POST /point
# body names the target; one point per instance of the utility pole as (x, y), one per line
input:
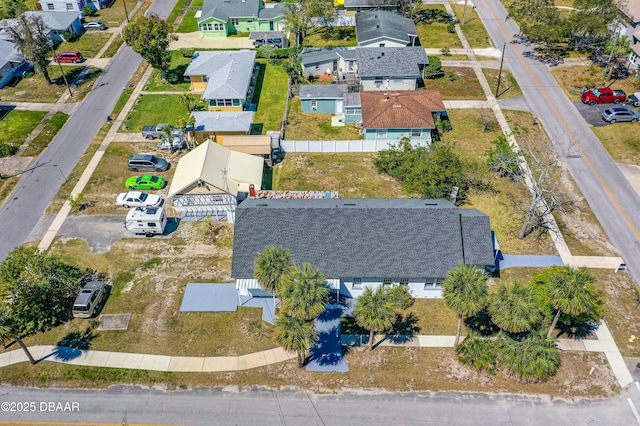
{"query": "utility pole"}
(125, 10)
(613, 50)
(464, 13)
(504, 46)
(64, 77)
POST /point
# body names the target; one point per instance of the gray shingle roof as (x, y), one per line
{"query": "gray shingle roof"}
(376, 24)
(8, 53)
(216, 121)
(272, 12)
(225, 9)
(263, 35)
(369, 3)
(390, 61)
(323, 91)
(352, 99)
(56, 20)
(367, 238)
(319, 56)
(229, 72)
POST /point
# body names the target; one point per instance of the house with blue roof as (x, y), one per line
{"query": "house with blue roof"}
(222, 18)
(331, 99)
(12, 62)
(383, 28)
(226, 79)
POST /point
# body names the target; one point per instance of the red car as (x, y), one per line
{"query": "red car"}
(72, 57)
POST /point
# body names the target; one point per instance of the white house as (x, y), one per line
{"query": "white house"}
(72, 5)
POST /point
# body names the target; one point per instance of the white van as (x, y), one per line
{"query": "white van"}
(146, 221)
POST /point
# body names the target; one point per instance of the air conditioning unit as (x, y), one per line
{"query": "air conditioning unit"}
(359, 124)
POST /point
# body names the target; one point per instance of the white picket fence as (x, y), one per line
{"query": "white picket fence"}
(337, 146)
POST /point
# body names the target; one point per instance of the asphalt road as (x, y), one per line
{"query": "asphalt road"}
(129, 405)
(609, 194)
(26, 205)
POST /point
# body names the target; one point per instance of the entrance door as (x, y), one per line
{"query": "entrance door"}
(339, 106)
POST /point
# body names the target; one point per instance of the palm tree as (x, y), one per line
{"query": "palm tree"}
(31, 36)
(375, 311)
(478, 353)
(304, 293)
(570, 291)
(465, 291)
(514, 308)
(168, 135)
(295, 335)
(533, 360)
(270, 266)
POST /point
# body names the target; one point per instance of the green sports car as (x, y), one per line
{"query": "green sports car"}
(145, 182)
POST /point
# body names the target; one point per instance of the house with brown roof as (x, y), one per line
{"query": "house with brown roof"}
(395, 115)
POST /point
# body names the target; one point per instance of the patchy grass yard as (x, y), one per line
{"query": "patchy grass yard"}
(153, 109)
(35, 88)
(188, 24)
(271, 95)
(307, 126)
(179, 65)
(49, 131)
(89, 44)
(509, 87)
(435, 34)
(82, 89)
(6, 186)
(331, 37)
(352, 174)
(621, 141)
(473, 28)
(458, 83)
(16, 126)
(113, 47)
(114, 15)
(177, 8)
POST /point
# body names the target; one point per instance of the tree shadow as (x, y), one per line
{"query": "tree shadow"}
(404, 328)
(481, 324)
(74, 344)
(576, 331)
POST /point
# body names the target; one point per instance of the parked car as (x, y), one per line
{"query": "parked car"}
(138, 199)
(634, 99)
(152, 132)
(147, 163)
(94, 25)
(70, 57)
(603, 95)
(146, 182)
(613, 115)
(89, 299)
(177, 144)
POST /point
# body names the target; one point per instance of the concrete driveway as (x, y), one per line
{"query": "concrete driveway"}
(592, 114)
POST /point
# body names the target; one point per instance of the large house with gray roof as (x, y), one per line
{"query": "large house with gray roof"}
(12, 62)
(361, 243)
(58, 23)
(354, 6)
(383, 28)
(221, 18)
(390, 68)
(328, 61)
(226, 78)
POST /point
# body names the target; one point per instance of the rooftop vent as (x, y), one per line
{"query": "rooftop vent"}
(349, 204)
(262, 205)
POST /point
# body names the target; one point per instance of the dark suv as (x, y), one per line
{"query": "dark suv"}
(147, 163)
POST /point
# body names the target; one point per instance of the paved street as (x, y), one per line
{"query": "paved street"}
(26, 206)
(122, 404)
(608, 192)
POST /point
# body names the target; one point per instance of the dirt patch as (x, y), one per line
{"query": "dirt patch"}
(14, 165)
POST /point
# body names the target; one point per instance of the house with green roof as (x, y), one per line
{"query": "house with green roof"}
(221, 18)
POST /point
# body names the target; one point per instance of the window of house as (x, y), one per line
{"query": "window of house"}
(212, 103)
(206, 27)
(218, 27)
(151, 225)
(378, 80)
(381, 133)
(314, 104)
(50, 6)
(249, 21)
(236, 102)
(433, 283)
(381, 44)
(416, 133)
(69, 6)
(387, 282)
(234, 21)
(357, 283)
(404, 282)
(205, 78)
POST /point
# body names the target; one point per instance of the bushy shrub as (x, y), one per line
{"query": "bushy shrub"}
(7, 149)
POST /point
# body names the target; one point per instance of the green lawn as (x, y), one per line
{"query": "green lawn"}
(435, 34)
(113, 47)
(271, 95)
(473, 29)
(114, 15)
(176, 11)
(154, 109)
(331, 37)
(509, 87)
(197, 3)
(89, 44)
(178, 66)
(306, 126)
(16, 125)
(188, 24)
(458, 83)
(49, 131)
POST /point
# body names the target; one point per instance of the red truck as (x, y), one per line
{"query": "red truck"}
(603, 95)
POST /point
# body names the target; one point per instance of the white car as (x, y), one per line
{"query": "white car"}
(138, 199)
(178, 144)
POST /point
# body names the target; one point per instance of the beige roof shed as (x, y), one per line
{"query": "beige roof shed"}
(250, 144)
(213, 169)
